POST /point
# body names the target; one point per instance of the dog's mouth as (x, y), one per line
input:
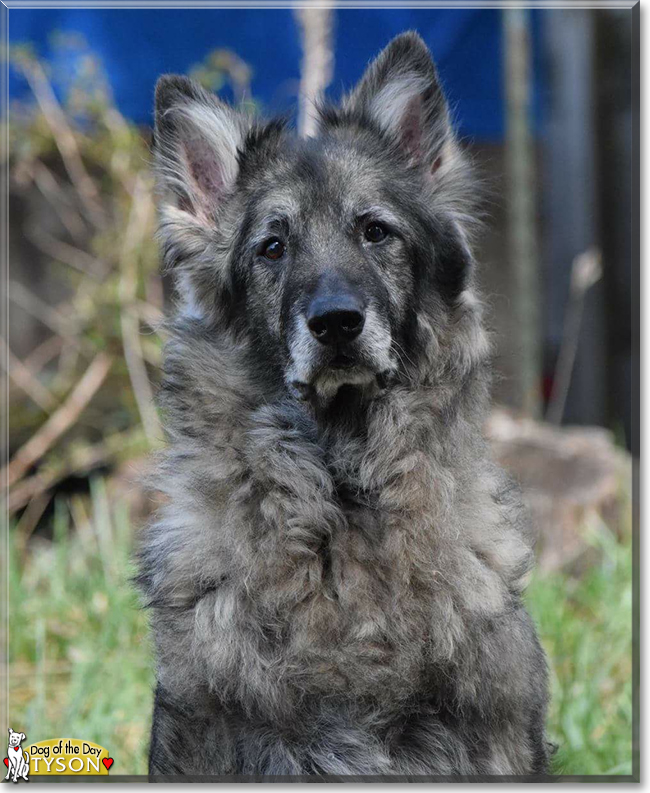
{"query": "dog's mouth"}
(341, 369)
(342, 361)
(343, 364)
(317, 371)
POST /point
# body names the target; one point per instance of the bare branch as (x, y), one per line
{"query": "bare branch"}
(585, 272)
(80, 461)
(60, 421)
(50, 317)
(316, 23)
(141, 211)
(40, 356)
(49, 186)
(65, 253)
(29, 520)
(64, 139)
(27, 381)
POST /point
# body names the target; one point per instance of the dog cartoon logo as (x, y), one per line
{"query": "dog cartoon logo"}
(18, 760)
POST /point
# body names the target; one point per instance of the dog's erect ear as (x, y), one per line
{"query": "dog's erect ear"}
(401, 93)
(196, 145)
(10, 731)
(197, 140)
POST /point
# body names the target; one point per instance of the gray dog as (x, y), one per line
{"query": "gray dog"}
(335, 579)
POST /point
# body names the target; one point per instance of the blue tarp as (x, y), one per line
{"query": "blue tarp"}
(136, 45)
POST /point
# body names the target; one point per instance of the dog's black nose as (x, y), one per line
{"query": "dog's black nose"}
(333, 320)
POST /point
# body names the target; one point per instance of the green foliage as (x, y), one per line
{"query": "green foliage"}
(586, 628)
(221, 68)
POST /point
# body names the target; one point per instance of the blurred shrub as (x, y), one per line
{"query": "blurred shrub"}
(221, 68)
(82, 397)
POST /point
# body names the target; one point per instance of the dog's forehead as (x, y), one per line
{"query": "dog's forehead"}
(321, 178)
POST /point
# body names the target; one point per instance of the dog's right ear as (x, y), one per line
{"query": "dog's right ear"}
(196, 144)
(197, 140)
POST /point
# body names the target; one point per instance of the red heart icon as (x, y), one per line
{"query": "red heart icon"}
(108, 762)
(7, 762)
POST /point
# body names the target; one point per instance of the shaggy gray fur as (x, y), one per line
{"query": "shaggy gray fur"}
(335, 578)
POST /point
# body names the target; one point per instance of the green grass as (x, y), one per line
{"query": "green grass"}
(80, 659)
(586, 629)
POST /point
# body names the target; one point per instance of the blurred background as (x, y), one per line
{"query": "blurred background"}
(543, 102)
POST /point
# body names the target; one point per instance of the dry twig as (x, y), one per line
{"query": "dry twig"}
(27, 381)
(317, 63)
(80, 461)
(585, 272)
(60, 421)
(64, 139)
(40, 356)
(28, 522)
(141, 209)
(62, 252)
(49, 316)
(58, 200)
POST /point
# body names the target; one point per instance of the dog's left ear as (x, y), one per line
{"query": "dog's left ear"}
(22, 736)
(401, 93)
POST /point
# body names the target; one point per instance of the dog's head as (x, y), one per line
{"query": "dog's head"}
(323, 251)
(15, 738)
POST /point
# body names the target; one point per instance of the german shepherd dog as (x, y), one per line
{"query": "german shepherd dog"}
(335, 578)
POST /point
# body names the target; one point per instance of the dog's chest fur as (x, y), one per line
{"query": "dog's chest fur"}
(340, 580)
(297, 557)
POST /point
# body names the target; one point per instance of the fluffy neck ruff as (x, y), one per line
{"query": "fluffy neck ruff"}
(310, 553)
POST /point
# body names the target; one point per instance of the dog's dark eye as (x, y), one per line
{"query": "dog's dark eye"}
(375, 232)
(273, 249)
